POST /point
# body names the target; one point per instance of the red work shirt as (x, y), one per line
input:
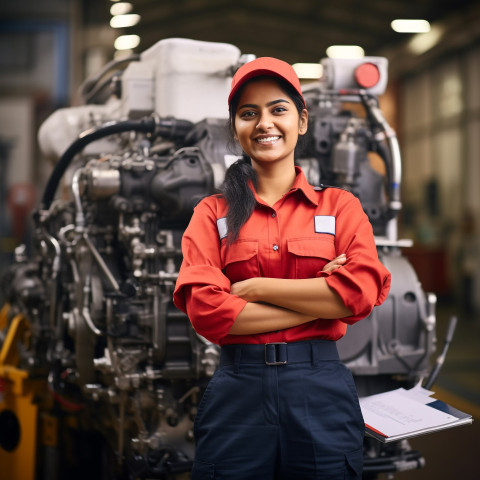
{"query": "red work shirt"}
(307, 228)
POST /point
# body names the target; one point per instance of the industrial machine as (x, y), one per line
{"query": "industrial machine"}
(100, 375)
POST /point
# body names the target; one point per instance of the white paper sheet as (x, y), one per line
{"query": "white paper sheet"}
(395, 412)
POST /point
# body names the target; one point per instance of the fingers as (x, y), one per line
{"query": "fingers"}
(335, 263)
(243, 289)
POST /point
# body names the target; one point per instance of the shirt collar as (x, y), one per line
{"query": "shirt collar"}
(300, 184)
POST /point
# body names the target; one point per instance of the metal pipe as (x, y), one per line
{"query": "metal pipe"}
(395, 167)
(88, 319)
(55, 270)
(79, 217)
(101, 263)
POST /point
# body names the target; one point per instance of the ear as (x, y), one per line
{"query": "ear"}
(303, 122)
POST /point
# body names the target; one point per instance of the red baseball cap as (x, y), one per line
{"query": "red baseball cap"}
(265, 66)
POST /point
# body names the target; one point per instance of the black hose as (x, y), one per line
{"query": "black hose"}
(144, 125)
(172, 128)
(95, 95)
(166, 127)
(88, 85)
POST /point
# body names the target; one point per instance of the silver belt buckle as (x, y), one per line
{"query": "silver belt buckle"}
(274, 347)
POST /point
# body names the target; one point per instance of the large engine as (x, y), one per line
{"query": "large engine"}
(92, 347)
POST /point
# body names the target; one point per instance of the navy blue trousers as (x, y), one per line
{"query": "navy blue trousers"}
(293, 419)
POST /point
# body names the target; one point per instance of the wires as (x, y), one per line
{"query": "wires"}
(91, 86)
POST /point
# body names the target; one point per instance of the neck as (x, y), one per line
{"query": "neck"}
(274, 181)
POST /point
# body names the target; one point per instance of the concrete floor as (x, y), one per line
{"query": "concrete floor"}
(454, 454)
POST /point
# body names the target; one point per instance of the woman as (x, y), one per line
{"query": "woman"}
(273, 271)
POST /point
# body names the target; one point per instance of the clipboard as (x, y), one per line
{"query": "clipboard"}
(400, 414)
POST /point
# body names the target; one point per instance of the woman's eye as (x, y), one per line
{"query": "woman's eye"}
(247, 114)
(279, 109)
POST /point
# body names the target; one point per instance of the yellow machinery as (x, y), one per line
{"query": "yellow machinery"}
(22, 426)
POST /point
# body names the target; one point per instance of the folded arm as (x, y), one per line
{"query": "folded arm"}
(262, 318)
(277, 303)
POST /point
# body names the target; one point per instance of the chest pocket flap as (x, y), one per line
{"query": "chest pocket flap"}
(240, 260)
(310, 255)
(322, 246)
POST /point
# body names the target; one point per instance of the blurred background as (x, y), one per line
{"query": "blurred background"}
(48, 48)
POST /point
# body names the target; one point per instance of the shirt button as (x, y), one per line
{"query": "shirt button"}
(275, 247)
(274, 215)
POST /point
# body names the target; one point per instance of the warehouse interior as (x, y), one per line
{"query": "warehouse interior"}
(432, 101)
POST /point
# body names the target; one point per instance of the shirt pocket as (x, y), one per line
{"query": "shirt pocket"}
(240, 260)
(310, 255)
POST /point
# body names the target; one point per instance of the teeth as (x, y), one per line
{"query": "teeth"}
(268, 139)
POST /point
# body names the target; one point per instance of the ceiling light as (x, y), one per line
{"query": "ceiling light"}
(421, 42)
(121, 8)
(345, 51)
(120, 54)
(127, 42)
(308, 70)
(410, 26)
(123, 21)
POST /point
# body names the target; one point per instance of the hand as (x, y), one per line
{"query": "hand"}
(335, 263)
(246, 289)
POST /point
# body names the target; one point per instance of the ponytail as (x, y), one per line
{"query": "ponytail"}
(240, 198)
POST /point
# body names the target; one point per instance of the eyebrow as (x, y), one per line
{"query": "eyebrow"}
(269, 104)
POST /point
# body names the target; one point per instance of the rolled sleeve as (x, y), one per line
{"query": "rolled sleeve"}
(361, 288)
(202, 291)
(363, 282)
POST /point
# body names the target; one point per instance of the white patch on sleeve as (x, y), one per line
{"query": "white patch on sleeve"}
(325, 224)
(222, 227)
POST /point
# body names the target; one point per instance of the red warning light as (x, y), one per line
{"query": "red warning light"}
(367, 75)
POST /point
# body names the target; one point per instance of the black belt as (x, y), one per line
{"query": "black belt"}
(279, 353)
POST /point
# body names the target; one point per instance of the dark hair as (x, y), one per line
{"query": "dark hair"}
(235, 189)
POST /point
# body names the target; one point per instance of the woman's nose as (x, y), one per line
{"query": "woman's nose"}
(264, 122)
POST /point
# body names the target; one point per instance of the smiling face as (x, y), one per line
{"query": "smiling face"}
(267, 122)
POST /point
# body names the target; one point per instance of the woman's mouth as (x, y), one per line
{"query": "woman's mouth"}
(265, 140)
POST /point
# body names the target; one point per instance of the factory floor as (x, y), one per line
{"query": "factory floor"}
(454, 454)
